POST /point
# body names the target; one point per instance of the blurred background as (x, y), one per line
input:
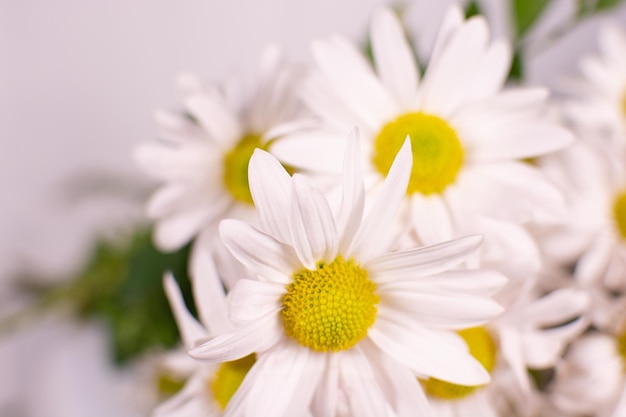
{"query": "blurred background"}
(79, 82)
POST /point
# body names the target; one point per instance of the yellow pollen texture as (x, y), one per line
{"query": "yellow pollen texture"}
(437, 151)
(228, 378)
(330, 308)
(482, 347)
(235, 175)
(619, 214)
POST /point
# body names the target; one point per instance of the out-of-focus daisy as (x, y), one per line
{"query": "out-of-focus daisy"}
(334, 315)
(468, 136)
(531, 334)
(599, 95)
(203, 157)
(592, 233)
(590, 379)
(208, 387)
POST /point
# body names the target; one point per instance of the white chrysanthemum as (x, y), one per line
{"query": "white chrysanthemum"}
(590, 379)
(592, 234)
(208, 386)
(334, 314)
(531, 334)
(468, 136)
(599, 96)
(204, 153)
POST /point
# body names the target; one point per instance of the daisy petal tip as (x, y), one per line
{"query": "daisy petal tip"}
(169, 283)
(187, 81)
(473, 240)
(406, 150)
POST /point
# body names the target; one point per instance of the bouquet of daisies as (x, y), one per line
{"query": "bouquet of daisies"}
(383, 234)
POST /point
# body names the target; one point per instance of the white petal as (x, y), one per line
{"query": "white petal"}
(312, 225)
(522, 142)
(353, 192)
(317, 150)
(166, 200)
(213, 113)
(478, 282)
(399, 384)
(325, 401)
(271, 259)
(250, 300)
(439, 310)
(189, 328)
(319, 96)
(256, 336)
(425, 352)
(208, 291)
(374, 234)
(393, 57)
(556, 308)
(594, 262)
(444, 87)
(360, 385)
(421, 262)
(492, 70)
(452, 20)
(511, 347)
(431, 218)
(173, 232)
(354, 81)
(270, 187)
(191, 401)
(281, 373)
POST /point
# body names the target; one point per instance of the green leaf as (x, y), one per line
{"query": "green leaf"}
(472, 9)
(604, 5)
(516, 73)
(121, 284)
(526, 13)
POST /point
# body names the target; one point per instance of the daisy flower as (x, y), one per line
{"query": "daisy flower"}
(468, 136)
(335, 318)
(203, 157)
(532, 333)
(592, 233)
(208, 387)
(590, 380)
(599, 94)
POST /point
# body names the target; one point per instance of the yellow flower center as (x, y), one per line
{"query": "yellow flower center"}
(229, 377)
(619, 214)
(437, 151)
(330, 308)
(235, 173)
(482, 347)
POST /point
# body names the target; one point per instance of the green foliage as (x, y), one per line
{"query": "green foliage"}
(526, 13)
(122, 285)
(472, 9)
(590, 7)
(516, 72)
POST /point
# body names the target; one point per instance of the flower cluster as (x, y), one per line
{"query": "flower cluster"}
(375, 239)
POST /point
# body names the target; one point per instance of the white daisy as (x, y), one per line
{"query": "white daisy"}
(208, 387)
(468, 136)
(590, 379)
(531, 334)
(592, 233)
(203, 157)
(599, 95)
(334, 314)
